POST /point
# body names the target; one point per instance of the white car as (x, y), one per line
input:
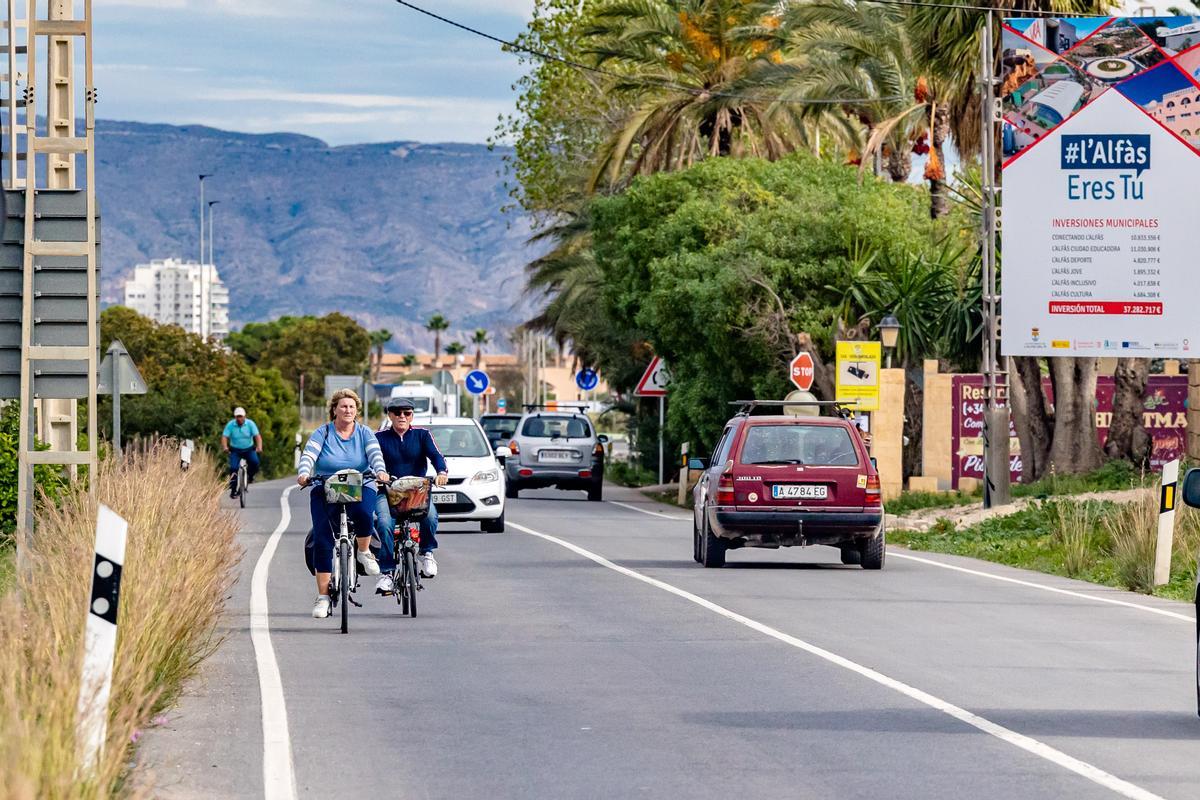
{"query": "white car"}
(475, 490)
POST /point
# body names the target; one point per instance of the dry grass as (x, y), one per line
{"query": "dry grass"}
(178, 565)
(1133, 531)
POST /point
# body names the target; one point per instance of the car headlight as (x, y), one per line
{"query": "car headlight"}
(486, 476)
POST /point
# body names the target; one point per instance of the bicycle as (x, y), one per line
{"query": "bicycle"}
(243, 481)
(342, 488)
(408, 499)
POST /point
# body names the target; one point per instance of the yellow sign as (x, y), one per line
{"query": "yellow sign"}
(858, 374)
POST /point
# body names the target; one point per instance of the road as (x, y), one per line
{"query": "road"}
(583, 654)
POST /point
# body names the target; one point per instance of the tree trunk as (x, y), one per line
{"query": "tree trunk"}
(1129, 388)
(1031, 416)
(823, 375)
(1074, 449)
(899, 163)
(939, 199)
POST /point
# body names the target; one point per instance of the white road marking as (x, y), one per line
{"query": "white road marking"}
(1020, 740)
(1082, 595)
(279, 776)
(644, 511)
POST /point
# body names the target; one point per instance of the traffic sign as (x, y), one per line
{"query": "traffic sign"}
(587, 379)
(477, 381)
(128, 377)
(655, 380)
(858, 374)
(502, 404)
(803, 371)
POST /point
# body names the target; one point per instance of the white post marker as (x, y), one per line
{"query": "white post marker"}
(185, 454)
(1166, 522)
(100, 634)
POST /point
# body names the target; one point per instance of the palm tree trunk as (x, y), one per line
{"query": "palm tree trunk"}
(935, 171)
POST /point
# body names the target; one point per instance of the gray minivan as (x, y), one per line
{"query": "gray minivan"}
(556, 448)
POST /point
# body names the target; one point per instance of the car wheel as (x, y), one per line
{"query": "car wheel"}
(493, 525)
(712, 549)
(596, 492)
(872, 549)
(510, 490)
(850, 554)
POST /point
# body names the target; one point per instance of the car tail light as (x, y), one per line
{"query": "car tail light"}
(585, 473)
(512, 447)
(725, 487)
(874, 495)
(525, 473)
(598, 450)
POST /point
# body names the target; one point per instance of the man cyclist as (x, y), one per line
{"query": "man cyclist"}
(407, 452)
(241, 439)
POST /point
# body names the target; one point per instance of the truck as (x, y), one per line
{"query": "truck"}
(427, 399)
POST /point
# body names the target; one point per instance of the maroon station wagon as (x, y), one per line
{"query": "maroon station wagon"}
(782, 481)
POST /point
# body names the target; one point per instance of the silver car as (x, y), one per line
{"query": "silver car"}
(556, 448)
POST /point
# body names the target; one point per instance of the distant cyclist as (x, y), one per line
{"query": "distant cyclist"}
(241, 439)
(407, 451)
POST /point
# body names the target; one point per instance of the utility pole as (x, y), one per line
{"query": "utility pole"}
(996, 473)
(207, 278)
(203, 297)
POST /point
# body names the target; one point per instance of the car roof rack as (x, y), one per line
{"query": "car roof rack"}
(746, 407)
(578, 407)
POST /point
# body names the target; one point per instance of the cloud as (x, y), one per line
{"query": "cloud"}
(340, 99)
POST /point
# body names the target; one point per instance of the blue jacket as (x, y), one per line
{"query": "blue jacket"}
(410, 454)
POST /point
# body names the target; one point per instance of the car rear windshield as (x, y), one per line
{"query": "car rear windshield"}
(555, 428)
(460, 440)
(812, 445)
(501, 427)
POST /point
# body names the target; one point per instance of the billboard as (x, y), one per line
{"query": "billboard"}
(1101, 130)
(1164, 417)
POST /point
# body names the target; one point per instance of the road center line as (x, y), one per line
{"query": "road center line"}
(1020, 740)
(644, 511)
(279, 777)
(1083, 595)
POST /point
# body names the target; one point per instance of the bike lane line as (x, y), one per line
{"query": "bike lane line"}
(1019, 740)
(279, 774)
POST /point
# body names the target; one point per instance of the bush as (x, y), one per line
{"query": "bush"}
(169, 608)
(48, 479)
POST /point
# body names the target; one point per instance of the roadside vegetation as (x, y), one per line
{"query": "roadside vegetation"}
(1102, 542)
(178, 566)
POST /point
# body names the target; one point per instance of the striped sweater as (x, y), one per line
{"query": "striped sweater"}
(327, 452)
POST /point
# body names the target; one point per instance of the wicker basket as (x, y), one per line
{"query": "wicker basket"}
(409, 497)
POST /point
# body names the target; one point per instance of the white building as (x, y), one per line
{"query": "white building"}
(183, 293)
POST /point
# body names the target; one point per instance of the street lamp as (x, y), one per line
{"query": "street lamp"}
(889, 332)
(206, 274)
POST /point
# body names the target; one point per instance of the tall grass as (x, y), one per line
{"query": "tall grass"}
(1133, 532)
(1074, 532)
(179, 562)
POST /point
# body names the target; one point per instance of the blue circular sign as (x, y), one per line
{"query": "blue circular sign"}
(477, 381)
(587, 379)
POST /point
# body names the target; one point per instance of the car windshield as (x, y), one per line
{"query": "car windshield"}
(460, 440)
(500, 427)
(811, 445)
(421, 405)
(542, 427)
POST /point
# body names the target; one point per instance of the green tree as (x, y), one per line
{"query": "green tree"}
(193, 387)
(49, 479)
(378, 339)
(311, 346)
(455, 349)
(479, 339)
(437, 323)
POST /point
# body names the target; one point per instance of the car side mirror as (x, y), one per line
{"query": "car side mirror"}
(697, 463)
(1191, 487)
(602, 438)
(503, 452)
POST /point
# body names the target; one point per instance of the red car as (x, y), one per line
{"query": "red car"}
(783, 481)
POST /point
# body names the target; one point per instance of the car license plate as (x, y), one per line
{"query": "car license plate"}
(557, 456)
(799, 491)
(445, 498)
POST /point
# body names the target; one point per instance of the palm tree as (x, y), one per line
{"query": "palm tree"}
(699, 78)
(437, 323)
(455, 349)
(479, 340)
(378, 339)
(410, 360)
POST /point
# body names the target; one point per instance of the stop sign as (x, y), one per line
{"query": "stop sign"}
(802, 372)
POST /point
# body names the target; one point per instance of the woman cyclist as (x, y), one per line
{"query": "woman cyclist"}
(341, 443)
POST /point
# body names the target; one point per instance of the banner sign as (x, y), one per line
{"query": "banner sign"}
(857, 378)
(1164, 416)
(1101, 125)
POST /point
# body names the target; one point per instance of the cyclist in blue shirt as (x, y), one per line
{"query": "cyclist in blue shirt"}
(407, 451)
(241, 439)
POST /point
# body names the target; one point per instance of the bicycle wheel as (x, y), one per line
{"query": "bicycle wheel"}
(346, 564)
(410, 582)
(242, 484)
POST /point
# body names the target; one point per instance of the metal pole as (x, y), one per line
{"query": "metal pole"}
(116, 400)
(661, 405)
(206, 275)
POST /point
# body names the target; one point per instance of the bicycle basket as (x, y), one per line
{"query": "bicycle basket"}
(409, 497)
(344, 487)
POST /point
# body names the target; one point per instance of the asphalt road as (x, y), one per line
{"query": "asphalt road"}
(622, 669)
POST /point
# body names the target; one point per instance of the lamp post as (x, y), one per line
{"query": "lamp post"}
(203, 175)
(206, 276)
(889, 332)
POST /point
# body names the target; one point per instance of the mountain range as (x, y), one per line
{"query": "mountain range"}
(387, 233)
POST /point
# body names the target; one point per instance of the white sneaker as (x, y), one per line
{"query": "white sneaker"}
(385, 585)
(369, 564)
(427, 565)
(321, 607)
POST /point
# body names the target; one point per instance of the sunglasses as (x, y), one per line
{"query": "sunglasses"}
(405, 413)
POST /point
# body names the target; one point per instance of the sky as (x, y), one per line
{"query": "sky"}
(345, 71)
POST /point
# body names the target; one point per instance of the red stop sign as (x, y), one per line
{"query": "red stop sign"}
(802, 372)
